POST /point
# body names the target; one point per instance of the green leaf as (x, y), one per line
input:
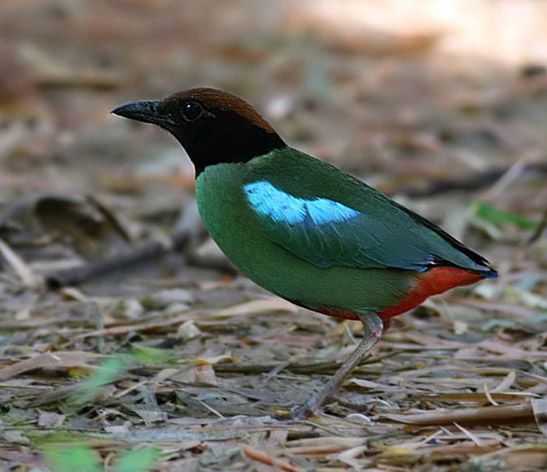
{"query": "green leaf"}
(76, 458)
(496, 216)
(152, 356)
(108, 372)
(497, 323)
(139, 459)
(59, 439)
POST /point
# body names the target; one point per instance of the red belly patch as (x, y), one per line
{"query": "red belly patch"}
(432, 282)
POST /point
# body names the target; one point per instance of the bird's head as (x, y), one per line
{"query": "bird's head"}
(213, 126)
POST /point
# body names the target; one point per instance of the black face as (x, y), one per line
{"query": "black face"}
(225, 131)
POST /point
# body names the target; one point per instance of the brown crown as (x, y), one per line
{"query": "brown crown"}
(226, 101)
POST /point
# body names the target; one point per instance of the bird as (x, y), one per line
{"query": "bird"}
(303, 229)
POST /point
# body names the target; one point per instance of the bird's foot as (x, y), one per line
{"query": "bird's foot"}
(373, 330)
(301, 411)
(307, 409)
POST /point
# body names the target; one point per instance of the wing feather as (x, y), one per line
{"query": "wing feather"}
(329, 218)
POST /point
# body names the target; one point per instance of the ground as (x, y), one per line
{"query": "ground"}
(127, 342)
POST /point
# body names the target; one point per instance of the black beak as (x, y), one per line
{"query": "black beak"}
(147, 112)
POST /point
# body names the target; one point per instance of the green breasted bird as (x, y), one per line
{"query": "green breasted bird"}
(303, 229)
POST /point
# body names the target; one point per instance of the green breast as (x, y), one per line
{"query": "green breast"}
(233, 226)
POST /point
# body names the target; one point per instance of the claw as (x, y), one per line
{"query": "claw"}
(300, 412)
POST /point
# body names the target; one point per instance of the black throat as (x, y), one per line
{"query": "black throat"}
(226, 139)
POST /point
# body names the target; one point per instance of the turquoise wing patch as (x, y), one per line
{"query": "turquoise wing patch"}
(322, 231)
(283, 208)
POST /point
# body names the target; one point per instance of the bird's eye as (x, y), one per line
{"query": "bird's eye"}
(191, 111)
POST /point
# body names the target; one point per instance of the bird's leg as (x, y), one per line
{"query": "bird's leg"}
(373, 328)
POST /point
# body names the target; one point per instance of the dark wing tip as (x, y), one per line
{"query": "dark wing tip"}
(480, 265)
(490, 273)
(483, 267)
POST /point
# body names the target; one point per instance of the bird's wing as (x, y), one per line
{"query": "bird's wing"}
(329, 218)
